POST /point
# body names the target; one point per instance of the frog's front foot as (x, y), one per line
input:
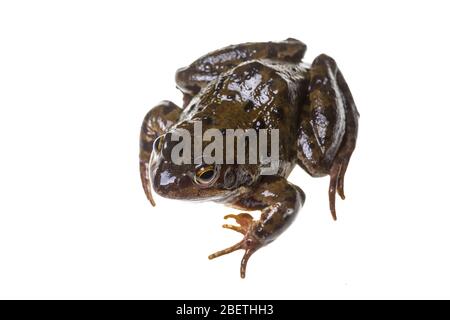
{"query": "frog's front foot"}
(250, 243)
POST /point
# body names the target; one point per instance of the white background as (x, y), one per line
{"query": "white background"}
(76, 79)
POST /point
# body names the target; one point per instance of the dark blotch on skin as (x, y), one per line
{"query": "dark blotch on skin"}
(184, 182)
(278, 113)
(207, 120)
(192, 107)
(271, 51)
(249, 105)
(229, 179)
(147, 145)
(219, 85)
(251, 202)
(259, 124)
(166, 110)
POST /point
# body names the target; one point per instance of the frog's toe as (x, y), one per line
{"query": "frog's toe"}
(228, 250)
(244, 220)
(248, 244)
(340, 182)
(337, 174)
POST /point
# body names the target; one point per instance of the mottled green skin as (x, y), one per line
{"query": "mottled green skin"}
(260, 86)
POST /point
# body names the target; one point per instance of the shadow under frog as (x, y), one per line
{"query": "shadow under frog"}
(262, 86)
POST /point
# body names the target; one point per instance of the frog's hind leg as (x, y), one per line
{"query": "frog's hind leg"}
(155, 123)
(340, 163)
(191, 79)
(328, 126)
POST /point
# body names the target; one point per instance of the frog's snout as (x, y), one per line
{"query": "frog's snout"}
(171, 184)
(168, 179)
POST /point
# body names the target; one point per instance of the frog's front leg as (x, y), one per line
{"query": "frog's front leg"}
(329, 126)
(157, 121)
(279, 202)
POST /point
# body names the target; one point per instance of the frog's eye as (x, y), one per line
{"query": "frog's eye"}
(205, 175)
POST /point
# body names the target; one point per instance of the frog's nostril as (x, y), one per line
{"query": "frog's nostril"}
(184, 181)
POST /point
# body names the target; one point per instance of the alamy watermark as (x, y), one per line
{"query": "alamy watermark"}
(251, 147)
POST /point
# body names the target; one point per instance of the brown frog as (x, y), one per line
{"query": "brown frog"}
(259, 86)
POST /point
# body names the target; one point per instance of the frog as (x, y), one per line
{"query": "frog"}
(263, 86)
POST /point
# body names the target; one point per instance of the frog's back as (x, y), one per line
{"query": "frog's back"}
(258, 94)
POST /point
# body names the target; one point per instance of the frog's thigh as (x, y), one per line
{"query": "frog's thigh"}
(323, 118)
(155, 123)
(209, 67)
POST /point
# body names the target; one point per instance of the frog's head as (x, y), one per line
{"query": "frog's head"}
(194, 181)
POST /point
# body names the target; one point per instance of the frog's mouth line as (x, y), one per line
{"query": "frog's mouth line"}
(220, 197)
